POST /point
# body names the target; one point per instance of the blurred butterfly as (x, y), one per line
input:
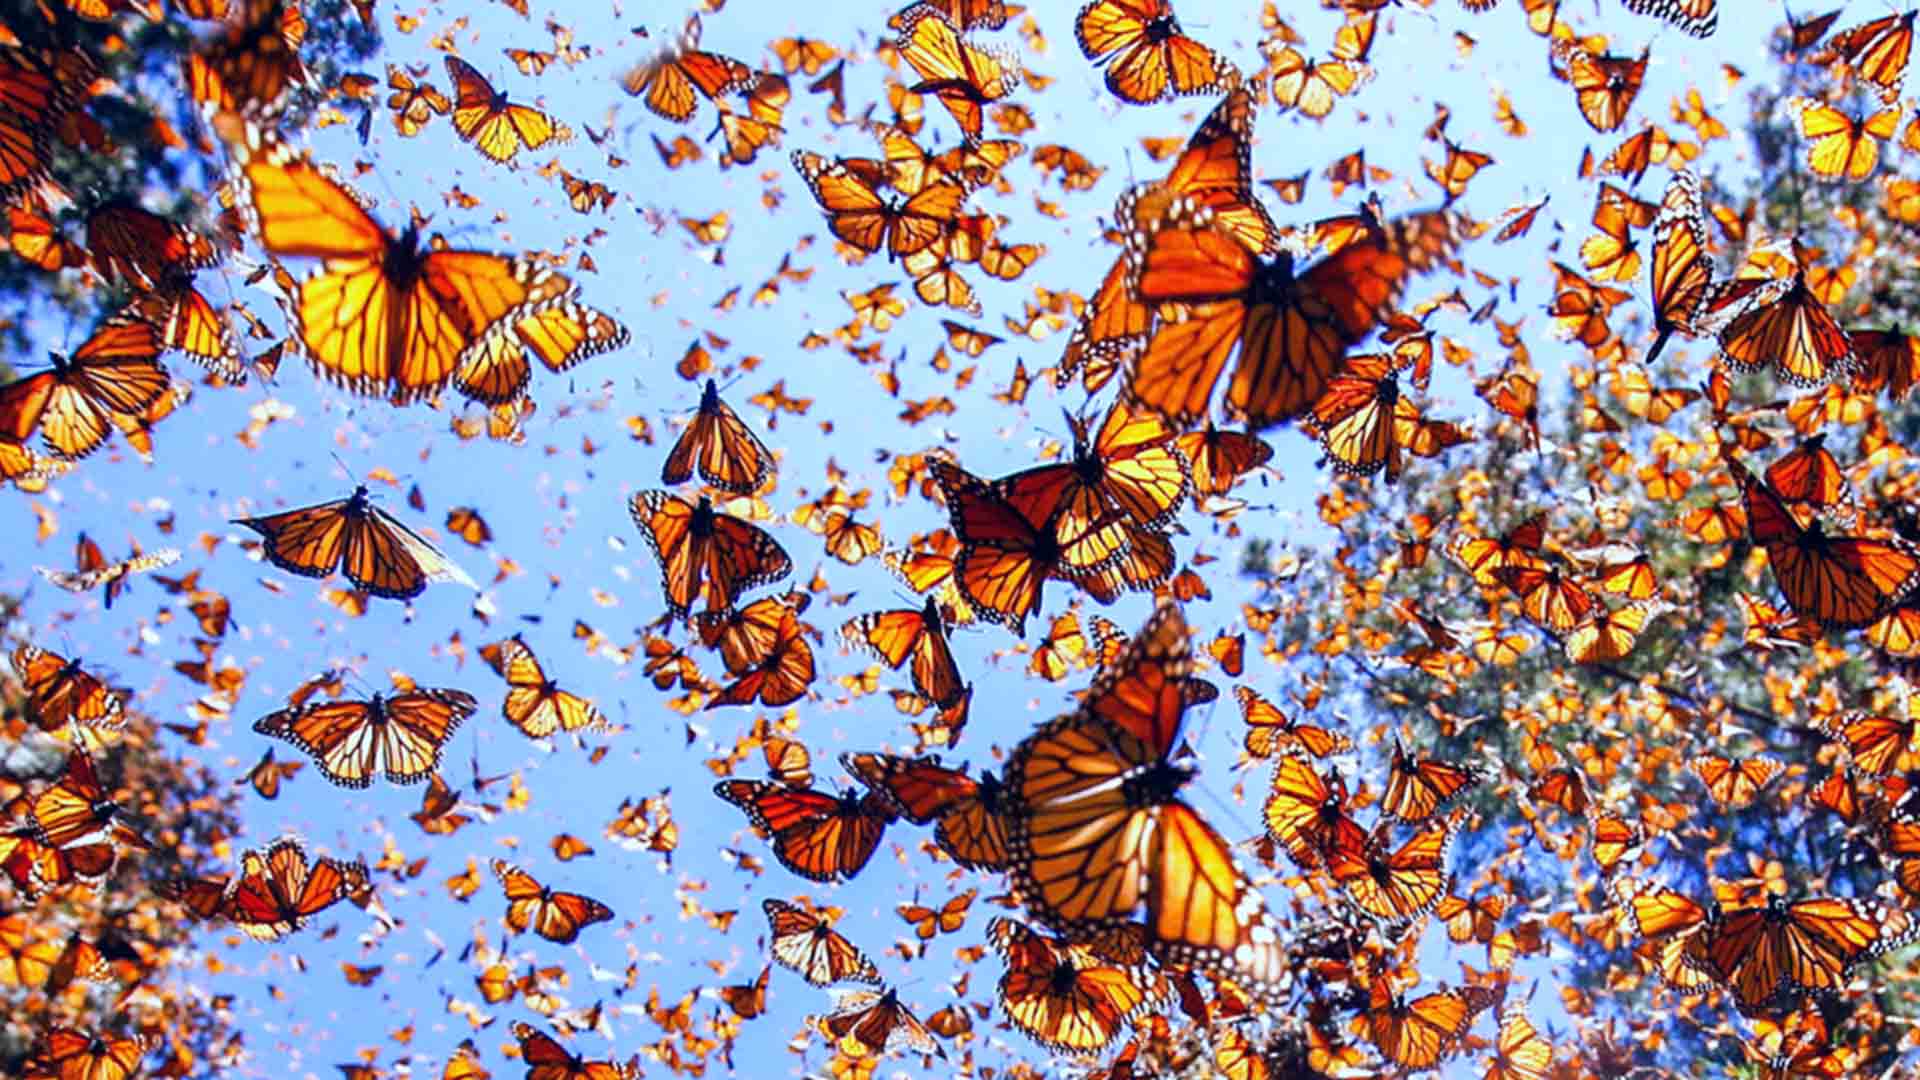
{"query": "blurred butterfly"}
(496, 127)
(747, 1000)
(351, 741)
(267, 774)
(533, 703)
(371, 547)
(804, 942)
(115, 372)
(703, 552)
(668, 80)
(414, 103)
(1876, 51)
(971, 813)
(1842, 146)
(250, 68)
(146, 251)
(1734, 783)
(562, 334)
(1291, 329)
(819, 836)
(92, 570)
(1878, 744)
(555, 915)
(67, 1052)
(1146, 57)
(37, 103)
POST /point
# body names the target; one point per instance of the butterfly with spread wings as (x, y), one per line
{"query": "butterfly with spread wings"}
(721, 447)
(1838, 581)
(668, 81)
(971, 812)
(964, 77)
(351, 741)
(859, 214)
(1145, 55)
(553, 914)
(116, 372)
(821, 837)
(280, 887)
(1071, 997)
(92, 570)
(806, 943)
(495, 126)
(383, 316)
(896, 636)
(60, 691)
(546, 1059)
(534, 704)
(370, 546)
(1290, 327)
(703, 552)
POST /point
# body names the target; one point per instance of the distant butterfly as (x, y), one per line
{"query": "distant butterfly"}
(562, 334)
(1734, 783)
(555, 915)
(496, 127)
(365, 543)
(350, 741)
(1604, 86)
(1269, 730)
(1417, 787)
(143, 249)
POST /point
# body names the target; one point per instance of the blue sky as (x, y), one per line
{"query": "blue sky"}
(558, 511)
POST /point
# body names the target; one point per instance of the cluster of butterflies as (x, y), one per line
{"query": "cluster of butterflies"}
(1129, 894)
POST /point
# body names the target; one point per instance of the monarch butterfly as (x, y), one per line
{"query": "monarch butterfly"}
(1885, 358)
(279, 888)
(60, 692)
(1129, 472)
(547, 1060)
(1147, 58)
(747, 636)
(1217, 460)
(1838, 581)
(1695, 18)
(1067, 996)
(1417, 1034)
(669, 79)
(116, 371)
(1270, 730)
(703, 552)
(1878, 51)
(1363, 421)
(1733, 784)
(77, 807)
(1611, 253)
(533, 703)
(36, 103)
(1809, 473)
(972, 813)
(1809, 945)
(724, 449)
(186, 320)
(948, 918)
(267, 775)
(893, 636)
(1417, 787)
(1603, 86)
(1396, 886)
(782, 676)
(368, 545)
(414, 104)
(143, 249)
(1005, 557)
(1606, 635)
(253, 65)
(1877, 744)
(562, 334)
(38, 241)
(92, 570)
(555, 915)
(804, 942)
(748, 1000)
(1548, 596)
(858, 214)
(819, 836)
(351, 741)
(1787, 326)
(1488, 557)
(1101, 828)
(1308, 816)
(36, 869)
(963, 14)
(65, 1052)
(870, 1022)
(383, 316)
(1313, 86)
(963, 76)
(1214, 170)
(79, 959)
(1680, 272)
(1291, 330)
(1520, 1052)
(1839, 146)
(496, 127)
